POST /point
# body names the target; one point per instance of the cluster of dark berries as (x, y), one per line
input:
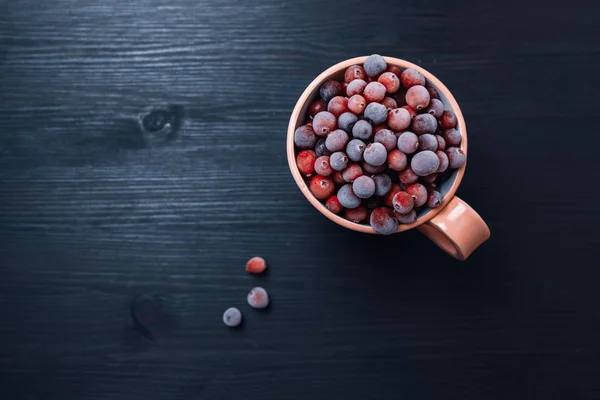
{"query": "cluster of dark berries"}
(376, 145)
(257, 297)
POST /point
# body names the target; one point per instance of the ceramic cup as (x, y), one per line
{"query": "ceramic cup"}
(454, 225)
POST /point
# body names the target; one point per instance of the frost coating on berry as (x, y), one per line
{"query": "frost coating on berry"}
(304, 137)
(256, 265)
(338, 160)
(336, 140)
(362, 130)
(456, 157)
(330, 89)
(383, 184)
(363, 187)
(408, 142)
(232, 317)
(347, 198)
(386, 138)
(376, 113)
(383, 221)
(346, 121)
(355, 149)
(428, 142)
(375, 154)
(425, 163)
(374, 65)
(424, 123)
(258, 298)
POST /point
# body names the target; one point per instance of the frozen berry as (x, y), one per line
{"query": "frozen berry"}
(444, 162)
(398, 119)
(338, 160)
(428, 142)
(372, 169)
(408, 142)
(383, 222)
(411, 77)
(354, 72)
(417, 97)
(448, 120)
(317, 106)
(337, 178)
(258, 298)
(424, 123)
(306, 162)
(397, 160)
(338, 105)
(407, 218)
(403, 202)
(433, 93)
(390, 81)
(346, 121)
(330, 89)
(256, 265)
(374, 65)
(425, 163)
(321, 187)
(411, 111)
(304, 137)
(375, 154)
(357, 104)
(386, 138)
(435, 108)
(374, 92)
(333, 205)
(337, 140)
(418, 192)
(363, 187)
(347, 198)
(393, 69)
(356, 87)
(389, 197)
(324, 122)
(355, 149)
(389, 103)
(429, 178)
(351, 172)
(434, 199)
(357, 214)
(322, 166)
(232, 317)
(452, 137)
(408, 176)
(376, 113)
(383, 184)
(456, 157)
(441, 142)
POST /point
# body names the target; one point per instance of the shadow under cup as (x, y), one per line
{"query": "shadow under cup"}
(447, 188)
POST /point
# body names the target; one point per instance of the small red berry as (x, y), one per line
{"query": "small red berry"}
(357, 214)
(398, 119)
(316, 107)
(322, 166)
(389, 197)
(357, 104)
(403, 202)
(417, 97)
(333, 205)
(411, 77)
(374, 92)
(448, 120)
(418, 192)
(323, 123)
(256, 265)
(397, 160)
(407, 176)
(390, 81)
(354, 72)
(337, 178)
(393, 69)
(411, 111)
(351, 172)
(321, 187)
(306, 162)
(389, 103)
(338, 105)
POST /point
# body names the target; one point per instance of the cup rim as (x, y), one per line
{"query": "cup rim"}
(294, 123)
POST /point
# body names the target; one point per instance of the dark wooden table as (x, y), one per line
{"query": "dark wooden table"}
(101, 204)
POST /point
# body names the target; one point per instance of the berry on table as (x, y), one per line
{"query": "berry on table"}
(338, 160)
(399, 119)
(389, 103)
(441, 142)
(375, 154)
(408, 142)
(362, 130)
(232, 317)
(355, 149)
(363, 187)
(411, 111)
(374, 65)
(258, 298)
(417, 97)
(256, 265)
(403, 202)
(394, 70)
(324, 122)
(304, 137)
(411, 77)
(397, 160)
(383, 222)
(425, 162)
(333, 205)
(321, 187)
(376, 113)
(347, 198)
(353, 73)
(306, 162)
(433, 93)
(337, 140)
(330, 89)
(456, 157)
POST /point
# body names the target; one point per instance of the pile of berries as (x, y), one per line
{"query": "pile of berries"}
(376, 145)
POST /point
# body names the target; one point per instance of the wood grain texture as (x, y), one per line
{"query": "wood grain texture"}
(95, 210)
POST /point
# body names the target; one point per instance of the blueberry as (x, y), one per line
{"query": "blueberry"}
(375, 154)
(383, 221)
(362, 130)
(347, 198)
(304, 137)
(321, 149)
(424, 123)
(346, 121)
(428, 142)
(355, 149)
(374, 65)
(425, 163)
(376, 113)
(434, 199)
(336, 140)
(339, 160)
(330, 89)
(383, 184)
(408, 142)
(456, 157)
(232, 317)
(363, 187)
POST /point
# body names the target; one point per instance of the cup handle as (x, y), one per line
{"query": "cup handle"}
(457, 229)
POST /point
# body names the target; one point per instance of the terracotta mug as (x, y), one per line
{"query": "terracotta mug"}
(454, 225)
